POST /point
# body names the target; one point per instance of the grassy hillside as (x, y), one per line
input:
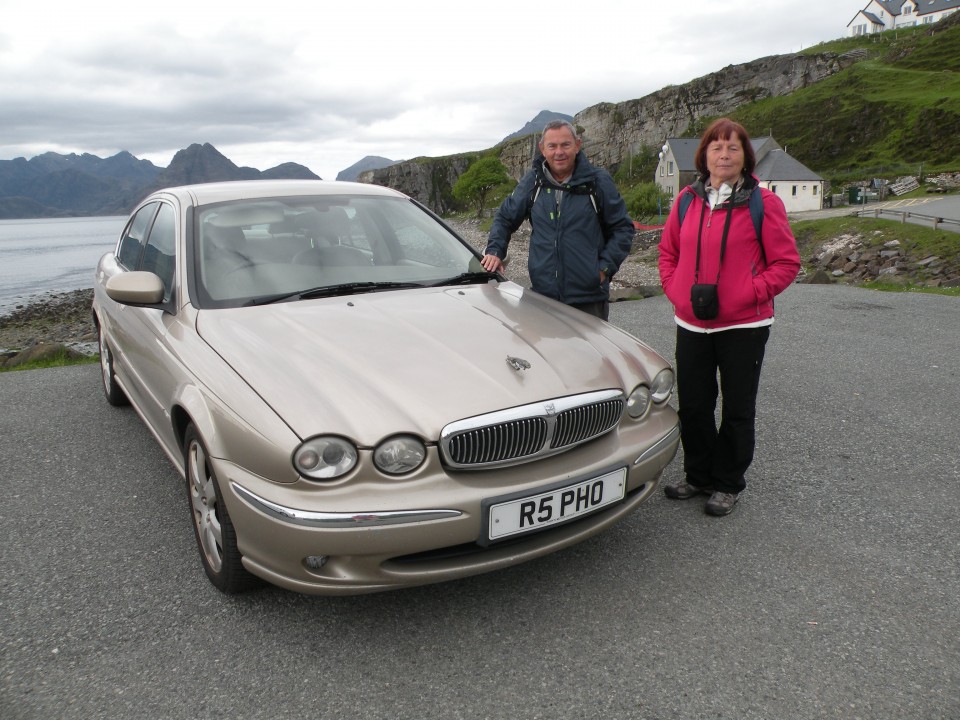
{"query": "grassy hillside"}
(884, 116)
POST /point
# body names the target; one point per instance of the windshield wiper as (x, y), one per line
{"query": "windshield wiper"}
(469, 278)
(331, 291)
(355, 287)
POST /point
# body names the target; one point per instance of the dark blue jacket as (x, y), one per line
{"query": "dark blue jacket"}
(572, 243)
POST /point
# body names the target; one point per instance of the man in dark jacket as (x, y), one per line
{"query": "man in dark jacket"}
(580, 228)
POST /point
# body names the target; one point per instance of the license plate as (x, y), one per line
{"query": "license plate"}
(535, 512)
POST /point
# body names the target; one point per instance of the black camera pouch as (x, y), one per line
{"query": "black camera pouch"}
(706, 303)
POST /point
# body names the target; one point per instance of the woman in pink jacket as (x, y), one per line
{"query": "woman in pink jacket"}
(722, 279)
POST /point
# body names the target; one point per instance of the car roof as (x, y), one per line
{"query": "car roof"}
(206, 193)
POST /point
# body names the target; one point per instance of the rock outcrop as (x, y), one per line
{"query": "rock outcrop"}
(612, 132)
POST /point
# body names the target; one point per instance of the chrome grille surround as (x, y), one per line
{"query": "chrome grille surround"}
(530, 432)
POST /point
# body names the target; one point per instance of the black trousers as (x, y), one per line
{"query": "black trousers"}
(719, 457)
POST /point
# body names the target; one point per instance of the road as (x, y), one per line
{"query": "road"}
(916, 210)
(833, 591)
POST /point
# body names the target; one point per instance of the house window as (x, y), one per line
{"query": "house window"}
(773, 189)
(670, 169)
(794, 191)
(663, 169)
(907, 10)
(814, 190)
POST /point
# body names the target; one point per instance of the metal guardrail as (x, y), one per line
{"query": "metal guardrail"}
(909, 216)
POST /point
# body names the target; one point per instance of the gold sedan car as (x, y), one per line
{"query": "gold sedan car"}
(355, 404)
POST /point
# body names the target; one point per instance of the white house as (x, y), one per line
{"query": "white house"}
(797, 185)
(880, 15)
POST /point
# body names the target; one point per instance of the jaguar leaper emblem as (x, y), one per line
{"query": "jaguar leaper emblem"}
(517, 364)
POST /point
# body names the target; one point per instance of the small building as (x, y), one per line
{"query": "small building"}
(797, 185)
(880, 15)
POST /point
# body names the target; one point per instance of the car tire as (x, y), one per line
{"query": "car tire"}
(115, 396)
(212, 527)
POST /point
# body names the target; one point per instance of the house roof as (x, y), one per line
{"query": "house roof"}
(925, 7)
(891, 6)
(773, 163)
(778, 165)
(685, 150)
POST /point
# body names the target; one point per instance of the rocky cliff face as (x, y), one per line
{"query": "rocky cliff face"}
(429, 180)
(614, 131)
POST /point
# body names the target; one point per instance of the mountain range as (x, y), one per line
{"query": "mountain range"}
(55, 185)
(855, 107)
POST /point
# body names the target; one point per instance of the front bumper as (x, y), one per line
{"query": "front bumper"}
(368, 544)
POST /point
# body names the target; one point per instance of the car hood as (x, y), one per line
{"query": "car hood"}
(372, 365)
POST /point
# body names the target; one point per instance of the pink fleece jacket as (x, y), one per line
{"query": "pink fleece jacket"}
(750, 276)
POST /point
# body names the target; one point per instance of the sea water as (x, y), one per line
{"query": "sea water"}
(51, 255)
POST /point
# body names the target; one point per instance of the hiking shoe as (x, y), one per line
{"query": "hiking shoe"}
(721, 503)
(683, 490)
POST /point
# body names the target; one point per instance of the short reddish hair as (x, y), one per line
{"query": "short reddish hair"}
(724, 129)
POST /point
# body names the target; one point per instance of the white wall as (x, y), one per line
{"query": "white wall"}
(798, 195)
(668, 175)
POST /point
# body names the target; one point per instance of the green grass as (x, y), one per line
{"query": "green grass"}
(915, 241)
(60, 359)
(910, 287)
(881, 117)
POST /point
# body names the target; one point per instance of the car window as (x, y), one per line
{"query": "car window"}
(420, 246)
(131, 242)
(160, 251)
(253, 249)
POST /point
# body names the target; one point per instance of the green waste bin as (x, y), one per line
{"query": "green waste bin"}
(855, 198)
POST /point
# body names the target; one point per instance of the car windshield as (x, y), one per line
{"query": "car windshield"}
(269, 250)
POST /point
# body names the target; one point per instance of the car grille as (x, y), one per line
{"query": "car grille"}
(531, 431)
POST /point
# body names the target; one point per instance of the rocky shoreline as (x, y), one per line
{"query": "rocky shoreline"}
(49, 323)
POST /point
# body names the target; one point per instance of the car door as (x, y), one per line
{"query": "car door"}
(142, 342)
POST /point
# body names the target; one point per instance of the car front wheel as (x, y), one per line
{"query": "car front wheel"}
(115, 396)
(212, 527)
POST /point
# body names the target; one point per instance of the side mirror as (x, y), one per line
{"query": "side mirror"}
(136, 287)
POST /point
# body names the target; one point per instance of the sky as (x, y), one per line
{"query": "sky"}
(324, 84)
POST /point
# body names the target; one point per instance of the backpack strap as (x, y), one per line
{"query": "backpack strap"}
(587, 188)
(756, 209)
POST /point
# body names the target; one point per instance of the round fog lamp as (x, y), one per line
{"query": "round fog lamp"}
(315, 562)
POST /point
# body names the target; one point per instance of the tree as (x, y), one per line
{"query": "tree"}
(479, 180)
(645, 200)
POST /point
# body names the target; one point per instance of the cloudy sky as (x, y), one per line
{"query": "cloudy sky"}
(326, 83)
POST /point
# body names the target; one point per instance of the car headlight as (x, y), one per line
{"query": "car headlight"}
(325, 457)
(662, 387)
(639, 402)
(400, 454)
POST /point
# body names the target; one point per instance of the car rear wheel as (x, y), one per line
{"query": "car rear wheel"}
(115, 396)
(212, 527)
